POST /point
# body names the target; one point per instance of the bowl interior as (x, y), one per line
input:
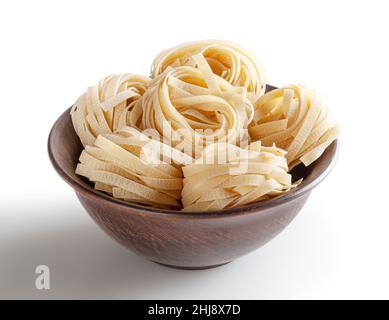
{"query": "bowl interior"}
(65, 147)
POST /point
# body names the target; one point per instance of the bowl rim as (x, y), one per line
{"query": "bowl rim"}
(250, 208)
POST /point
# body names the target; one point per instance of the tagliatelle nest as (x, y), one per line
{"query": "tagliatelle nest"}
(240, 177)
(200, 135)
(295, 119)
(124, 165)
(228, 60)
(194, 107)
(106, 106)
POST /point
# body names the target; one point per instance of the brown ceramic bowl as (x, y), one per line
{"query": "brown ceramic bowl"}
(184, 240)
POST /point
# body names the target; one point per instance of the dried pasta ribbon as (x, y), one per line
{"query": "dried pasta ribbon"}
(243, 176)
(126, 165)
(295, 119)
(228, 60)
(107, 106)
(194, 113)
(192, 107)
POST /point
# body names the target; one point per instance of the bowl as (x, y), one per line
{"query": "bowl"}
(196, 240)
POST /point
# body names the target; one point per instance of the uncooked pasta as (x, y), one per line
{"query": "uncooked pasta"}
(242, 176)
(228, 60)
(195, 107)
(124, 165)
(200, 134)
(107, 106)
(295, 119)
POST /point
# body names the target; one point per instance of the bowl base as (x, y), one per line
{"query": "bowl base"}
(192, 268)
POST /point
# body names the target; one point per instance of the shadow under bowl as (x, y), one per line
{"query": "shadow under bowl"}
(184, 240)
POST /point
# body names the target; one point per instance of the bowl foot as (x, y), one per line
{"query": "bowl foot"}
(192, 268)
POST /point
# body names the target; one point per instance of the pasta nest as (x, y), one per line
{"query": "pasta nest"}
(234, 177)
(128, 165)
(295, 119)
(106, 106)
(228, 60)
(192, 107)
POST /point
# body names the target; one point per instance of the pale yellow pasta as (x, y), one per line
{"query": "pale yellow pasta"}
(192, 107)
(295, 119)
(228, 60)
(200, 134)
(107, 106)
(120, 164)
(241, 177)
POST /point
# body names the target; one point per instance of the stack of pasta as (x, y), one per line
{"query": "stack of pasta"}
(200, 134)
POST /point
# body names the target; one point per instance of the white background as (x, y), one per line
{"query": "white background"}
(50, 51)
